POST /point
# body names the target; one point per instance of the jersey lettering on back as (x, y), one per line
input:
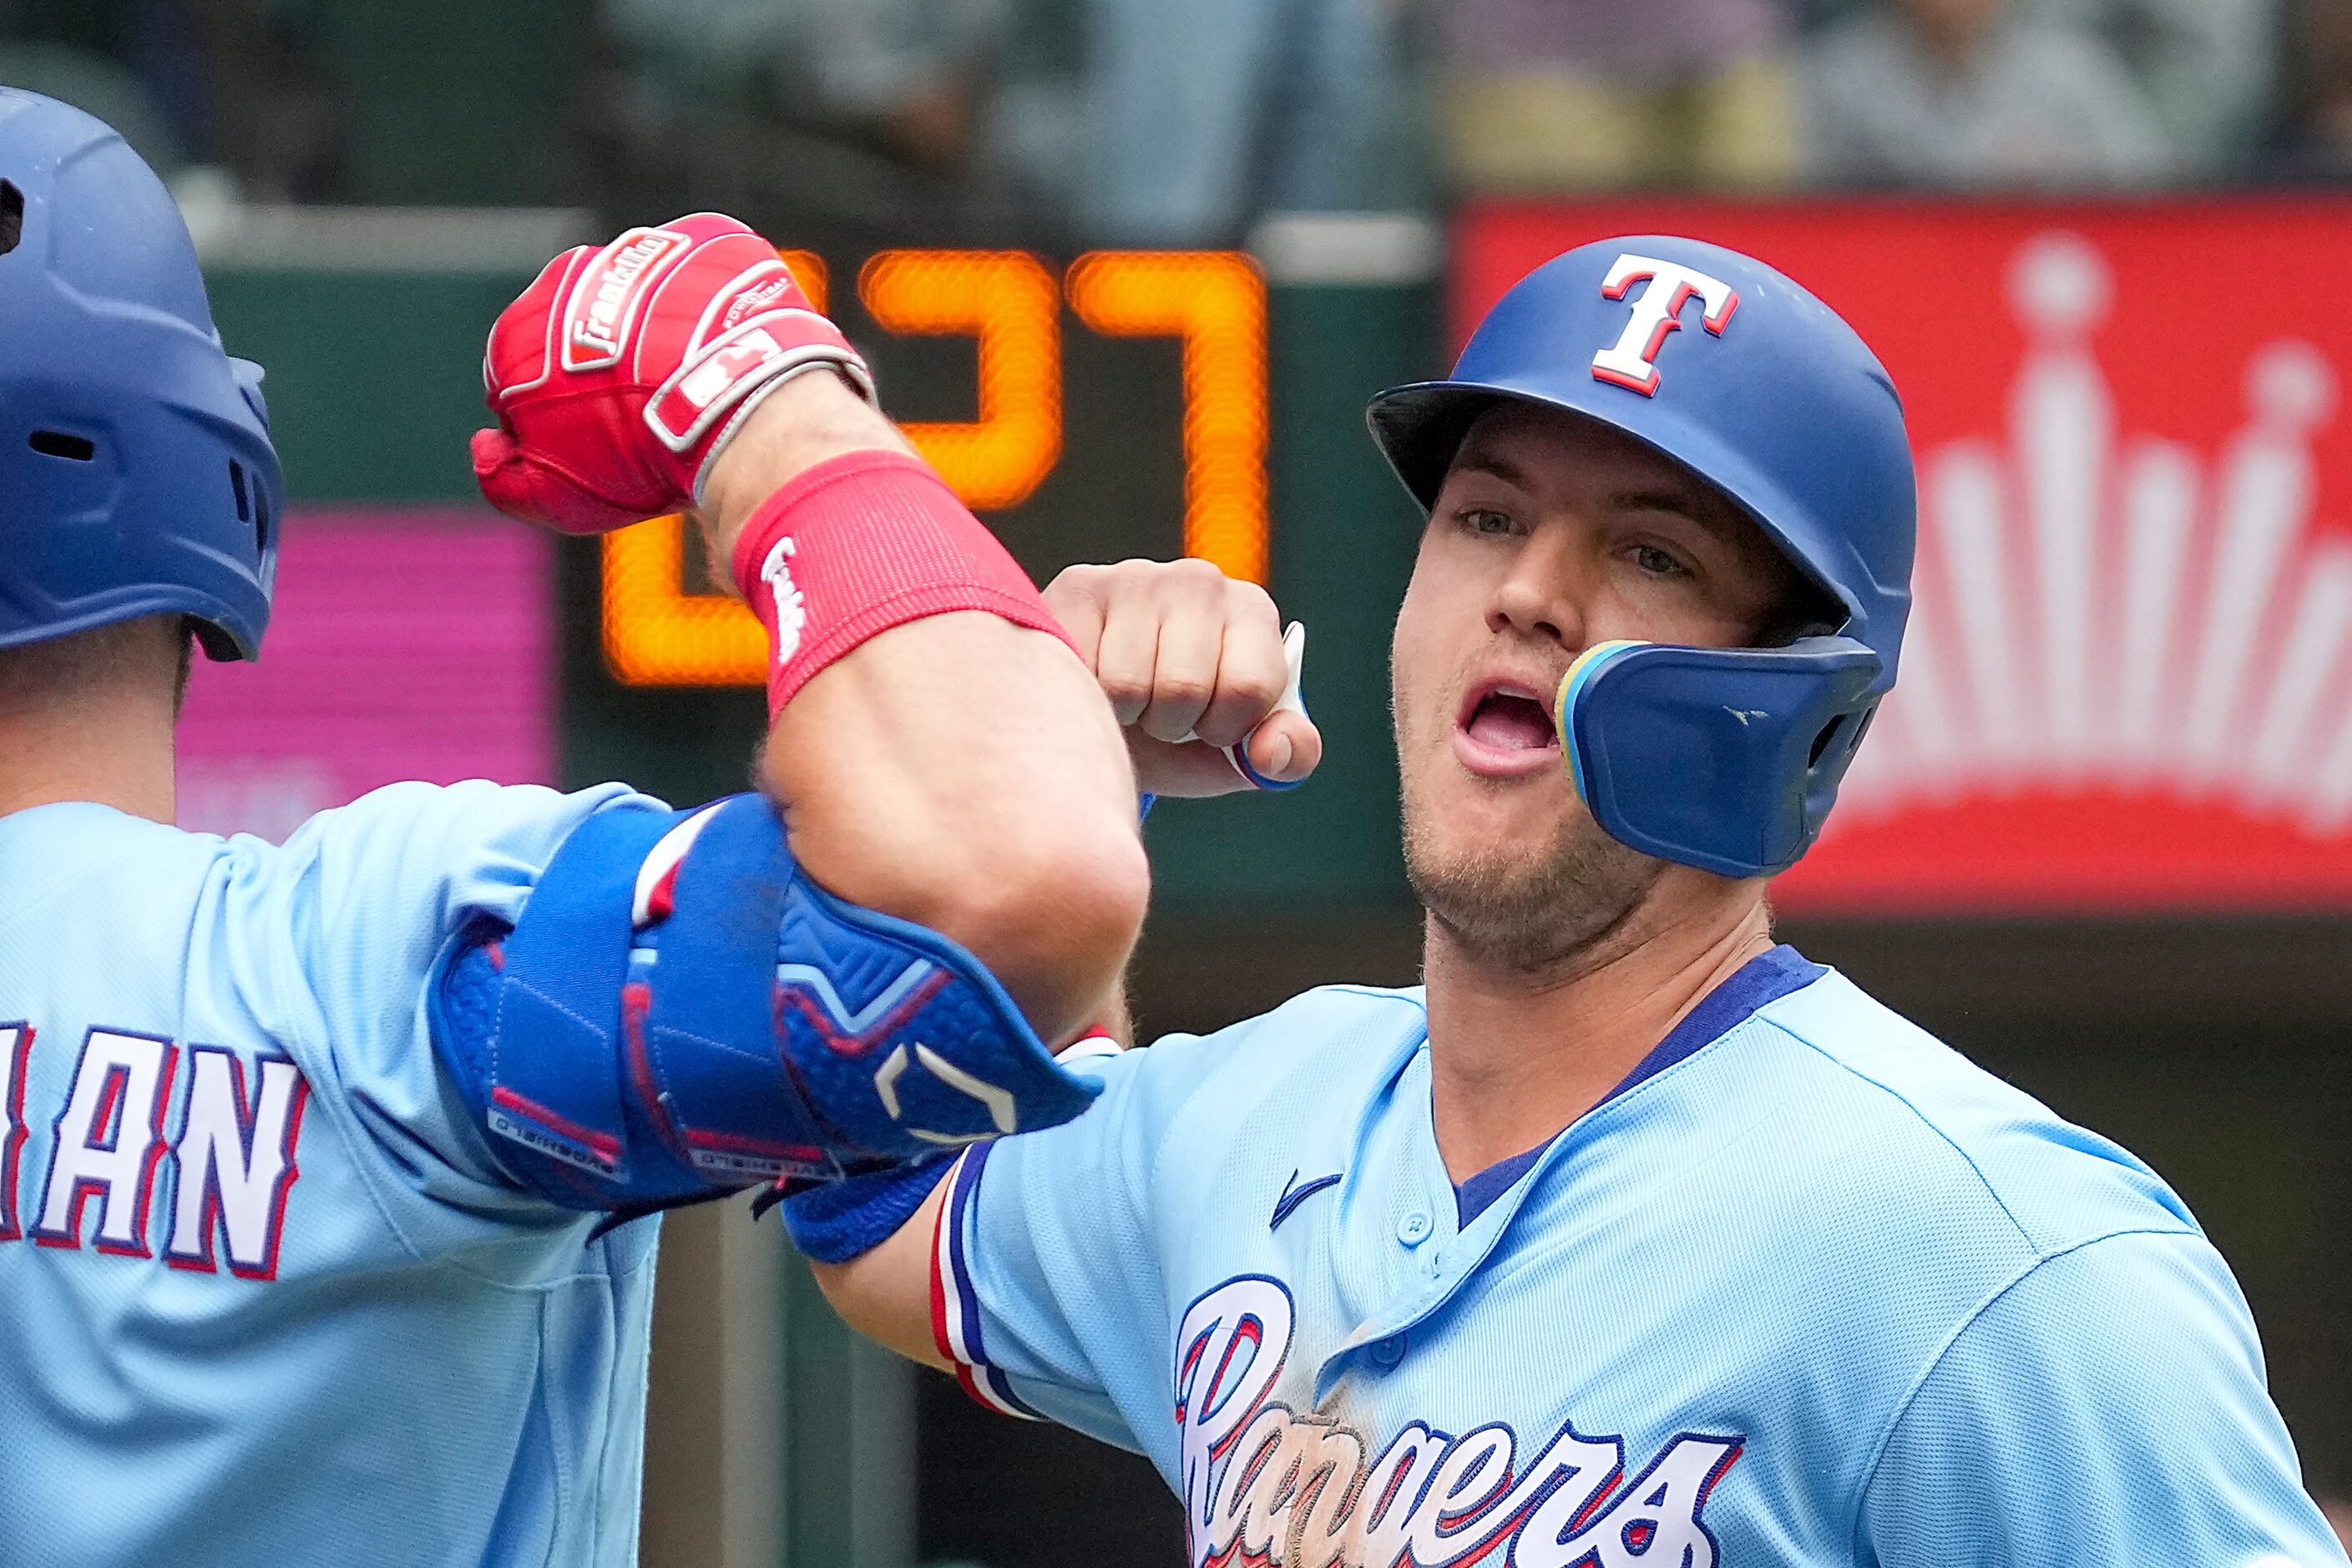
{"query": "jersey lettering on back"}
(236, 1161)
(259, 1225)
(233, 1155)
(107, 1142)
(16, 1045)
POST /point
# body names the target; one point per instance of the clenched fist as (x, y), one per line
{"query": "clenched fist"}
(620, 373)
(1198, 671)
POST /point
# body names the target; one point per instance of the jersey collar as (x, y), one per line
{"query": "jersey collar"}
(1766, 978)
(1459, 1256)
(1762, 980)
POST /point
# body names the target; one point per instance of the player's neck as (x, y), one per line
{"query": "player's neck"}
(109, 764)
(1517, 1055)
(90, 719)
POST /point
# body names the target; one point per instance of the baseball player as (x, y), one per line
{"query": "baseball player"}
(1632, 1237)
(316, 1161)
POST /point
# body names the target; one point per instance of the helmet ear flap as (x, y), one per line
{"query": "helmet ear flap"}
(1725, 759)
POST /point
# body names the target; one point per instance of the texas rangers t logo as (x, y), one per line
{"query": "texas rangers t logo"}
(1632, 361)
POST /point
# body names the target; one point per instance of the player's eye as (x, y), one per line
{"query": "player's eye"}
(1483, 519)
(1657, 562)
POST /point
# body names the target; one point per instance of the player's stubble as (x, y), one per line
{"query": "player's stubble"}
(1537, 899)
(1516, 875)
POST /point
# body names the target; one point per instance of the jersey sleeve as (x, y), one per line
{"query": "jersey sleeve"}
(1048, 1293)
(2107, 1410)
(346, 921)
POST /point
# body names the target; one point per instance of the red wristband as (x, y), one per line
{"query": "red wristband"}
(863, 543)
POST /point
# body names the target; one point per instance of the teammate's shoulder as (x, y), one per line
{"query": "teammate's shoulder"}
(414, 853)
(427, 827)
(2060, 1183)
(66, 849)
(1331, 1029)
(83, 824)
(1303, 1026)
(477, 806)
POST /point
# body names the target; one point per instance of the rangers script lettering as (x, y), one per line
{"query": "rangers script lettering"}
(1265, 1487)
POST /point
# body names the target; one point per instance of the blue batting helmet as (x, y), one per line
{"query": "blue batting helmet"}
(136, 474)
(1726, 759)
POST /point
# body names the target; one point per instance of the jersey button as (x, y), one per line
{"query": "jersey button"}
(1389, 1351)
(1414, 1228)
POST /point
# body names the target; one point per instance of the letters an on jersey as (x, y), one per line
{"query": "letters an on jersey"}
(233, 1154)
(1265, 1486)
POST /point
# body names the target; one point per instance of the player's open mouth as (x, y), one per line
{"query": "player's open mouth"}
(1506, 730)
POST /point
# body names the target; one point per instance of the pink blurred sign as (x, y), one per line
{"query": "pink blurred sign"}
(405, 643)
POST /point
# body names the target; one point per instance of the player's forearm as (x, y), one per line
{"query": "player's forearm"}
(964, 776)
(886, 1294)
(958, 771)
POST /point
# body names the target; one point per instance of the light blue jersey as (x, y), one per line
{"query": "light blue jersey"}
(1809, 1290)
(264, 1297)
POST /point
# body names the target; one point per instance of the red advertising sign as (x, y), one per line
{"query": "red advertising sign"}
(2127, 680)
(403, 645)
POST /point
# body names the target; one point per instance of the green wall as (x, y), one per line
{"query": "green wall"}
(375, 379)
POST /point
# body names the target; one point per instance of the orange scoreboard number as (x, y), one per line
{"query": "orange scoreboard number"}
(658, 632)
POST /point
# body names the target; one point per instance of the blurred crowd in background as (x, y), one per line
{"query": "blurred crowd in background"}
(1180, 122)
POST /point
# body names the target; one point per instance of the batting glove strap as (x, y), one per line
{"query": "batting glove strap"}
(682, 1013)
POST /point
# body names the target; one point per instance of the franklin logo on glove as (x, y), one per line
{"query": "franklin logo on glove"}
(625, 266)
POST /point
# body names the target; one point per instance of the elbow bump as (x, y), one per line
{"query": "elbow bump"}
(1076, 898)
(1054, 919)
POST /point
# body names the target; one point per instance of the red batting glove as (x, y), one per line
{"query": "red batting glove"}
(620, 373)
